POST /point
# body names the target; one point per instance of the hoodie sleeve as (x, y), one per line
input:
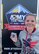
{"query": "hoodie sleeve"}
(19, 42)
(37, 45)
(21, 36)
(37, 48)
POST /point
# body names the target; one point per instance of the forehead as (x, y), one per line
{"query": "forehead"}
(30, 17)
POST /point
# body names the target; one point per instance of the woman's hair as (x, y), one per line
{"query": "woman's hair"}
(30, 15)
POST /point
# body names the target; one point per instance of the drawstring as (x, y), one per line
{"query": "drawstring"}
(27, 36)
(25, 45)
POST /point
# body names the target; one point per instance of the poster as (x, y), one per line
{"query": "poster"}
(14, 12)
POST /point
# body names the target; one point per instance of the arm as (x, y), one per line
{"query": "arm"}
(37, 48)
(16, 40)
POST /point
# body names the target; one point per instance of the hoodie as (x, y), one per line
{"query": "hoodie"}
(34, 39)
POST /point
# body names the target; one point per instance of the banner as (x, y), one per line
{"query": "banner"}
(14, 12)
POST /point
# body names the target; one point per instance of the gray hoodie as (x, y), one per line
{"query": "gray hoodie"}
(34, 37)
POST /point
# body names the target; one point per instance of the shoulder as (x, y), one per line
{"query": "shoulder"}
(22, 32)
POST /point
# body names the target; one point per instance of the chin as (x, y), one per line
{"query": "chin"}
(30, 28)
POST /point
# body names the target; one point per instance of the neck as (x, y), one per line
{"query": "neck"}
(30, 31)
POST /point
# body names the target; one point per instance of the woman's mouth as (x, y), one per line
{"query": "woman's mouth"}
(30, 25)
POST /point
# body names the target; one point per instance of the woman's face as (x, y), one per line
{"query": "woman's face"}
(30, 23)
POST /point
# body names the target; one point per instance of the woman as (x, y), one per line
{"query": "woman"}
(29, 37)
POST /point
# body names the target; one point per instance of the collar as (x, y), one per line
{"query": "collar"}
(32, 31)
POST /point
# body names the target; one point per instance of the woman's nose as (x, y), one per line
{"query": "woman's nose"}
(29, 22)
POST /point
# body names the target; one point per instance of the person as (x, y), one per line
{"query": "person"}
(29, 37)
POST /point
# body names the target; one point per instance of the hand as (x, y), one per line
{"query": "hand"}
(13, 37)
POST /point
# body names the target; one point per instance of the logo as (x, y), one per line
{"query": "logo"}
(16, 15)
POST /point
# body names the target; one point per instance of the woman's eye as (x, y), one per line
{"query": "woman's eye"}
(27, 20)
(32, 21)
